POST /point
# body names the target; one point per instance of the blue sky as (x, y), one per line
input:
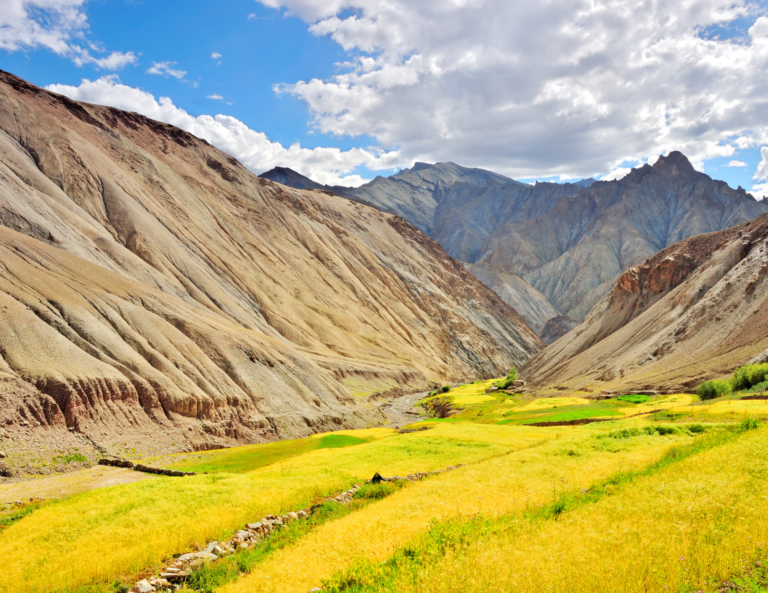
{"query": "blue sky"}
(523, 90)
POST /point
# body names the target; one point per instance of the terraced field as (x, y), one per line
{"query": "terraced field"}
(524, 495)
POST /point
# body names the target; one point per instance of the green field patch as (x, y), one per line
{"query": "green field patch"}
(577, 415)
(634, 398)
(336, 441)
(238, 460)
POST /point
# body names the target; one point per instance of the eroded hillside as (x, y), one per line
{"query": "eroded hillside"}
(150, 286)
(694, 311)
(550, 250)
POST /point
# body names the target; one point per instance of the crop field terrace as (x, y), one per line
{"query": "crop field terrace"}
(533, 508)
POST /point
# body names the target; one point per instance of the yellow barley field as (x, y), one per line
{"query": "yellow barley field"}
(686, 528)
(98, 535)
(553, 461)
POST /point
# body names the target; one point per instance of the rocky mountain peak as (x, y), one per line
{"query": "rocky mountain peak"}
(674, 159)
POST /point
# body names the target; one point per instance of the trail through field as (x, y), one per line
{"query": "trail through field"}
(61, 485)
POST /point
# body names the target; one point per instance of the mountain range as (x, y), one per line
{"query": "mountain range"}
(550, 250)
(156, 295)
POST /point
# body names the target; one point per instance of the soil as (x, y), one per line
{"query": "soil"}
(61, 485)
(401, 411)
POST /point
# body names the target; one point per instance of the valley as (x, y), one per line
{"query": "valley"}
(443, 380)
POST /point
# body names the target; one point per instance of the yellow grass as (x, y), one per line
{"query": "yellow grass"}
(567, 459)
(732, 407)
(471, 400)
(685, 528)
(97, 535)
(669, 402)
(552, 402)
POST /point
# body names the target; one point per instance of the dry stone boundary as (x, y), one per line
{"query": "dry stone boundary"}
(173, 575)
(144, 468)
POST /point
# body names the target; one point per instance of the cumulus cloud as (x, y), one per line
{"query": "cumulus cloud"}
(254, 149)
(738, 164)
(530, 89)
(760, 189)
(166, 69)
(51, 24)
(215, 55)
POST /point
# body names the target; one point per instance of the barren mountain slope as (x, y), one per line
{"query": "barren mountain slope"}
(694, 311)
(574, 253)
(554, 250)
(150, 284)
(459, 208)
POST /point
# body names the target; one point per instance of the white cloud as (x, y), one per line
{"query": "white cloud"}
(762, 169)
(166, 69)
(760, 190)
(617, 173)
(736, 164)
(51, 24)
(215, 55)
(532, 89)
(217, 97)
(253, 149)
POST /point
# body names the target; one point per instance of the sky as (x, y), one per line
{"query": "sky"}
(344, 90)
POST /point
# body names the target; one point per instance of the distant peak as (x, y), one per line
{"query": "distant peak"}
(674, 159)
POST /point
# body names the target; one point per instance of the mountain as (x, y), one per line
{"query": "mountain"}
(574, 253)
(694, 311)
(154, 293)
(554, 250)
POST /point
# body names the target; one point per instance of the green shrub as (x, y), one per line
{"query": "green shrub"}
(509, 380)
(377, 491)
(446, 388)
(749, 424)
(713, 389)
(749, 376)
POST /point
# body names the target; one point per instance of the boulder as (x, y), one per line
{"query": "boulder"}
(143, 586)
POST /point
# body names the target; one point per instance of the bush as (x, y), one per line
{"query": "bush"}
(749, 376)
(446, 388)
(713, 389)
(509, 381)
(377, 491)
(749, 424)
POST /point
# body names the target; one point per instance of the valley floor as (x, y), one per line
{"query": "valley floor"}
(665, 495)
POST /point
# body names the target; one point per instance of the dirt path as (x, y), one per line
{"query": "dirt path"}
(60, 485)
(400, 411)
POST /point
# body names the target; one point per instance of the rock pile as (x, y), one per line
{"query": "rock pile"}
(177, 571)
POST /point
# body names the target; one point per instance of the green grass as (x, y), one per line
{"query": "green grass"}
(336, 441)
(245, 459)
(11, 517)
(634, 398)
(68, 458)
(577, 414)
